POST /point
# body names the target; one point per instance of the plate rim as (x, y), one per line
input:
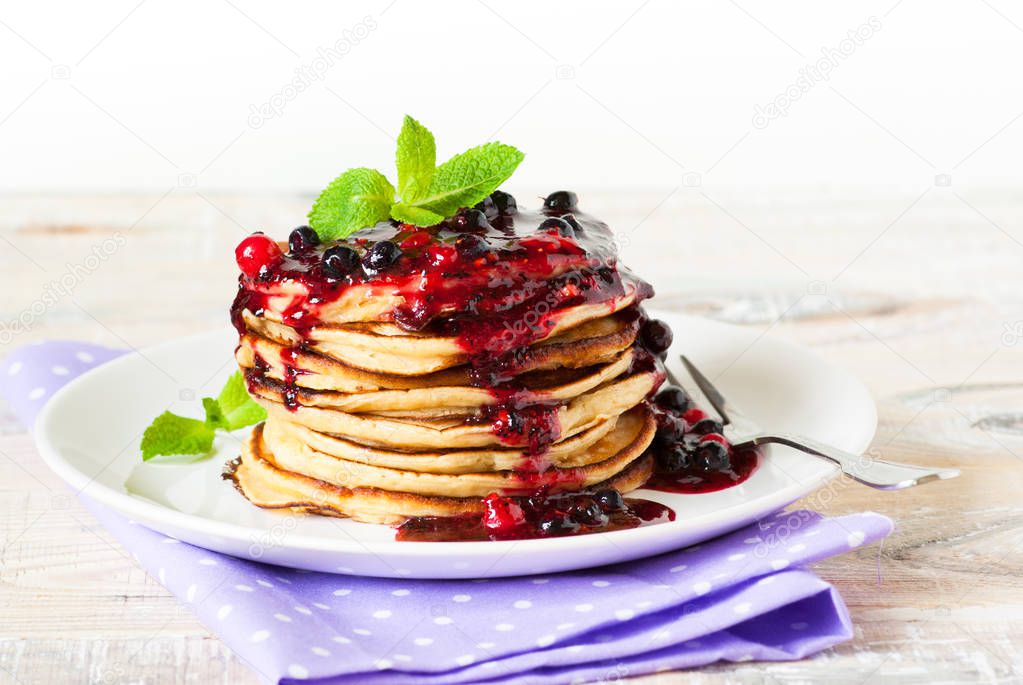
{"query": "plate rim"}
(146, 511)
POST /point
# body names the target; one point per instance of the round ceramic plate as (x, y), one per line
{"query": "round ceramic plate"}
(89, 434)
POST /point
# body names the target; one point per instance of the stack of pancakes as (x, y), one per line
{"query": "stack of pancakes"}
(370, 421)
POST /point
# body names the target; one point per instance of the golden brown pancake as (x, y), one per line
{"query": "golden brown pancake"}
(594, 342)
(609, 455)
(573, 451)
(583, 449)
(386, 348)
(446, 400)
(259, 479)
(414, 434)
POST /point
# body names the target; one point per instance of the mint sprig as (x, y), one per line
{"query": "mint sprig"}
(465, 179)
(173, 435)
(415, 158)
(170, 434)
(356, 199)
(426, 194)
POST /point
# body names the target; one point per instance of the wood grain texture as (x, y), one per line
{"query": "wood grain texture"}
(924, 305)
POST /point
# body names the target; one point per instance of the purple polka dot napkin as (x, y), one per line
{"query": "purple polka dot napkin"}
(741, 597)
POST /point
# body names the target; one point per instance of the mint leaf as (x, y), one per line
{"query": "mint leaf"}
(172, 434)
(214, 414)
(465, 179)
(417, 216)
(356, 199)
(237, 406)
(415, 158)
(362, 197)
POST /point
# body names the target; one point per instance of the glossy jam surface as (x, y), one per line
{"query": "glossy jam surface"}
(691, 455)
(502, 294)
(697, 480)
(539, 516)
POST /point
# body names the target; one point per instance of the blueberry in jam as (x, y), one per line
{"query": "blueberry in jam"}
(559, 226)
(302, 239)
(504, 202)
(610, 500)
(674, 458)
(671, 429)
(339, 261)
(557, 523)
(711, 456)
(573, 222)
(561, 200)
(674, 398)
(587, 512)
(705, 427)
(488, 207)
(380, 256)
(471, 220)
(656, 336)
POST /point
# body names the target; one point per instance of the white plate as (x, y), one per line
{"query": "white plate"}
(90, 430)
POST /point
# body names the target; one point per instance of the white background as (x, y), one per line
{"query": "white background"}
(131, 96)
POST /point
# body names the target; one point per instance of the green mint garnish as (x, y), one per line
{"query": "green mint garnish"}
(415, 158)
(171, 435)
(417, 216)
(238, 407)
(465, 179)
(356, 199)
(426, 194)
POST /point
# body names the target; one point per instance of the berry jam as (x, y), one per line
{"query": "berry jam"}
(690, 453)
(696, 480)
(538, 516)
(502, 291)
(289, 355)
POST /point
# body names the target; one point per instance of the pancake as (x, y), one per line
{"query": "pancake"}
(609, 455)
(594, 342)
(450, 400)
(567, 453)
(395, 351)
(361, 304)
(260, 480)
(414, 434)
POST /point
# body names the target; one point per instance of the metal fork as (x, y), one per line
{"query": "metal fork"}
(744, 432)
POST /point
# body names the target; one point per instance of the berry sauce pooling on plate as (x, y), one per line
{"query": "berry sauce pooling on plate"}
(540, 515)
(690, 453)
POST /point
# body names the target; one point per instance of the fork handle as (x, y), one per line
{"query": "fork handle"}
(883, 475)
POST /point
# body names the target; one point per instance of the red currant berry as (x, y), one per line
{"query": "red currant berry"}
(694, 415)
(715, 437)
(257, 253)
(502, 515)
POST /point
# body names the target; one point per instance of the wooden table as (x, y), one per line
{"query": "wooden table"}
(917, 291)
